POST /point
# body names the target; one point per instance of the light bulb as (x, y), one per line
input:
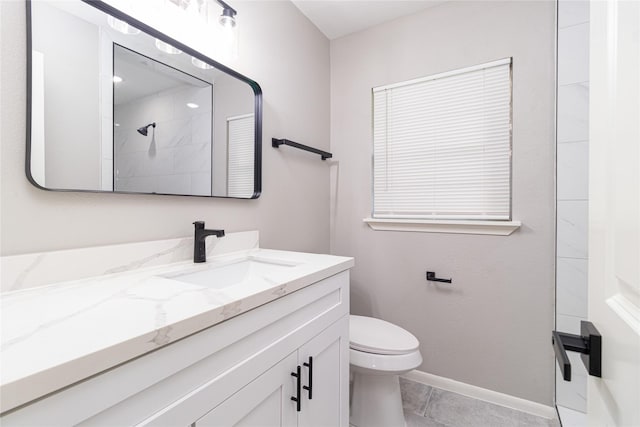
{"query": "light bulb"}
(227, 20)
(229, 42)
(167, 48)
(121, 26)
(200, 64)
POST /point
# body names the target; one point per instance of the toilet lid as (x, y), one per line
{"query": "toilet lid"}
(379, 337)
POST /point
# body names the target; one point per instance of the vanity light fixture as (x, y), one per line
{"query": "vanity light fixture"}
(226, 35)
(200, 7)
(228, 17)
(192, 105)
(117, 79)
(229, 30)
(122, 27)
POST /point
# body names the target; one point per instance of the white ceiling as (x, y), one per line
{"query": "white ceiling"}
(144, 76)
(337, 18)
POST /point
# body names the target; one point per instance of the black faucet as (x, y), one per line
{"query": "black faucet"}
(199, 248)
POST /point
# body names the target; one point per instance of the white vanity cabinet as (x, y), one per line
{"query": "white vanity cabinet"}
(266, 401)
(237, 372)
(263, 402)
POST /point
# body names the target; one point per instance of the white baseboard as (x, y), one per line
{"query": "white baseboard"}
(483, 394)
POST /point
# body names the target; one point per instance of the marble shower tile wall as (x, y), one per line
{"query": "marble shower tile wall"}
(572, 187)
(175, 157)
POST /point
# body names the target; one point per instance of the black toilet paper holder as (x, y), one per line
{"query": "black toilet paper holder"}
(431, 277)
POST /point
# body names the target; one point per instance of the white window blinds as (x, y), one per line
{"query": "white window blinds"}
(442, 145)
(240, 154)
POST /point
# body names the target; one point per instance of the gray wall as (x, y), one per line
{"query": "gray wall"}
(491, 327)
(294, 75)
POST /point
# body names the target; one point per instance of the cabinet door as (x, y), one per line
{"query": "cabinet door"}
(329, 377)
(266, 401)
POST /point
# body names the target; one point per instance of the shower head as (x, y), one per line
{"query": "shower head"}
(144, 130)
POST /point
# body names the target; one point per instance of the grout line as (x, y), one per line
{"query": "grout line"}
(580, 82)
(427, 401)
(571, 315)
(572, 257)
(575, 141)
(577, 200)
(572, 25)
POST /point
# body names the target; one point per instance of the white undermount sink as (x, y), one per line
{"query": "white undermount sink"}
(234, 273)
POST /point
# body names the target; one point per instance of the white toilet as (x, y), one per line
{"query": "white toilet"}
(379, 353)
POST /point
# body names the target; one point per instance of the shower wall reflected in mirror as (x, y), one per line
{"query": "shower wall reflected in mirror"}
(162, 127)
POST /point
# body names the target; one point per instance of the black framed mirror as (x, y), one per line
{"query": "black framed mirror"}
(116, 106)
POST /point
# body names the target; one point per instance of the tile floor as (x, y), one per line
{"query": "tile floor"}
(426, 406)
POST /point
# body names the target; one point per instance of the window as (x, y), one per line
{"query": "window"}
(442, 146)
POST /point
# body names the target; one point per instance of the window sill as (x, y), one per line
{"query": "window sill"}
(496, 228)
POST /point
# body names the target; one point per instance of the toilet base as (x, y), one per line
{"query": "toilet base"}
(376, 401)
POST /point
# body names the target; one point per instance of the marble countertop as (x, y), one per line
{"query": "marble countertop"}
(56, 335)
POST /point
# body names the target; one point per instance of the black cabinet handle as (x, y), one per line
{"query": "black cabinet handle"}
(298, 376)
(589, 343)
(309, 365)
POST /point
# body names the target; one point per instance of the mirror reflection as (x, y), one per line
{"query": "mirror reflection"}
(116, 109)
(162, 127)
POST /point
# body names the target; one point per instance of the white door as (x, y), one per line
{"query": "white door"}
(328, 353)
(614, 210)
(265, 402)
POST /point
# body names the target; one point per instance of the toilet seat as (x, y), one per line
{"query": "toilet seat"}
(377, 336)
(384, 364)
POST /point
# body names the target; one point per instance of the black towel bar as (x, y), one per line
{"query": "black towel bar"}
(278, 142)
